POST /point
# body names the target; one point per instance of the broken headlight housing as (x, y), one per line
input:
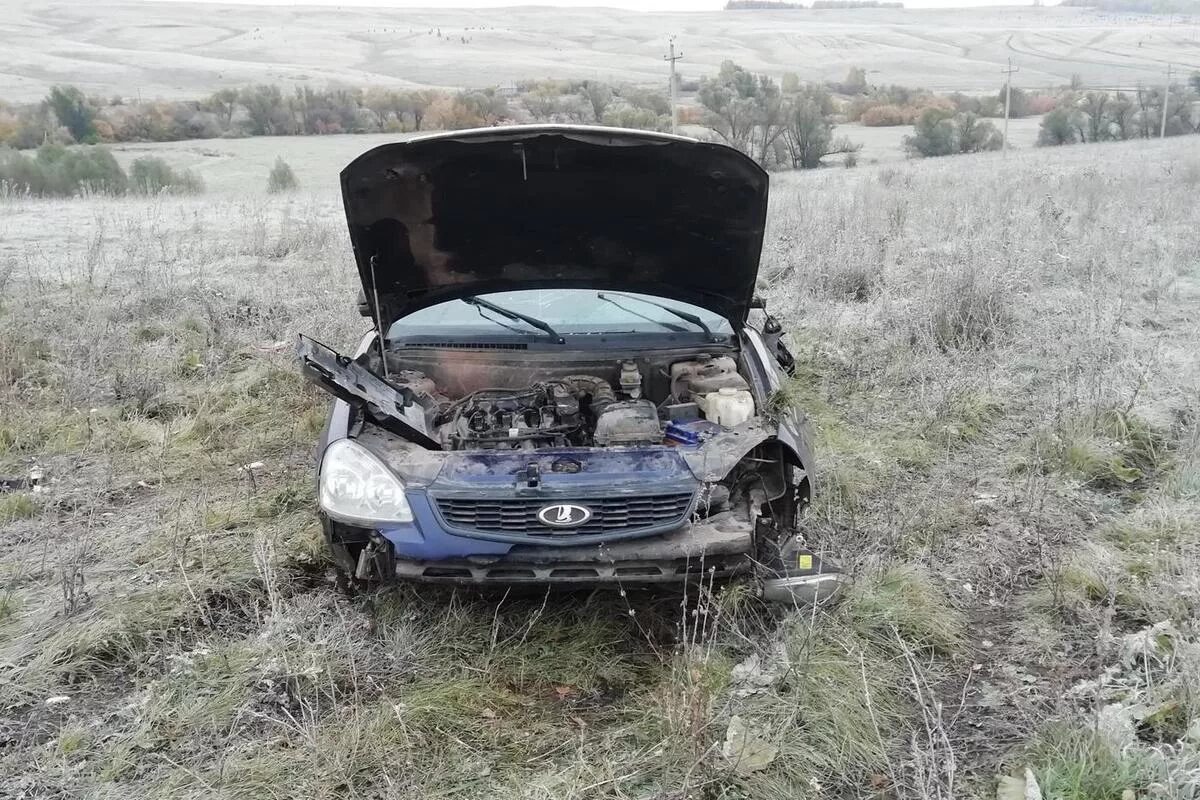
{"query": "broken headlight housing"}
(356, 487)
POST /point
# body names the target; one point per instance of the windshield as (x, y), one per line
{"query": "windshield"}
(570, 312)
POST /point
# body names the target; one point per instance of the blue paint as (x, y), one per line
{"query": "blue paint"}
(605, 473)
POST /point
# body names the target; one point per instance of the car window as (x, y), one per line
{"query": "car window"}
(571, 312)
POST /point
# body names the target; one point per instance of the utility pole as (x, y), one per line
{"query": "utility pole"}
(1162, 131)
(673, 57)
(1008, 72)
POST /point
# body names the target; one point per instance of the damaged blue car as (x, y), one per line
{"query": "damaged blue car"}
(570, 380)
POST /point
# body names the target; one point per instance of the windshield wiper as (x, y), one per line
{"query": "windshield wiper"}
(671, 326)
(687, 316)
(479, 302)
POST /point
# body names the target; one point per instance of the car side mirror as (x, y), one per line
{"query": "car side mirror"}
(757, 301)
(363, 307)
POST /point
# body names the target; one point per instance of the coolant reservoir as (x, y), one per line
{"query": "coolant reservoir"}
(727, 407)
(703, 375)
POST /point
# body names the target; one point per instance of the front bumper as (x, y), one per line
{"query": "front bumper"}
(719, 546)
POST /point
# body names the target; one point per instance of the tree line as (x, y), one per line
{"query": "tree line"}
(781, 124)
(67, 115)
(1098, 116)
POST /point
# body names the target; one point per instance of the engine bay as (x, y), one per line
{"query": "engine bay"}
(607, 403)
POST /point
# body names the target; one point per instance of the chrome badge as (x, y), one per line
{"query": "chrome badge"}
(564, 515)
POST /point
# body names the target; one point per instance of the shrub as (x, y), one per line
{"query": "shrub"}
(57, 171)
(1041, 104)
(1057, 128)
(885, 116)
(976, 136)
(933, 135)
(152, 175)
(641, 118)
(281, 179)
(940, 133)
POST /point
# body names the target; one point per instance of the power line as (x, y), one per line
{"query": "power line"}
(1008, 73)
(672, 57)
(1162, 133)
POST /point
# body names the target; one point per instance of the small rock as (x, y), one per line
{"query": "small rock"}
(57, 700)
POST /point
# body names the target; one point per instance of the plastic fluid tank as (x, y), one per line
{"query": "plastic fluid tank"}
(728, 407)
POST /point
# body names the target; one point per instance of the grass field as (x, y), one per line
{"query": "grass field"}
(999, 358)
(176, 49)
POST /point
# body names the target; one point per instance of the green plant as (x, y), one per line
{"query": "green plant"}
(904, 599)
(153, 175)
(57, 171)
(1073, 763)
(17, 506)
(1109, 449)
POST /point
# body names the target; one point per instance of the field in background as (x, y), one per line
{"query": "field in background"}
(999, 360)
(170, 49)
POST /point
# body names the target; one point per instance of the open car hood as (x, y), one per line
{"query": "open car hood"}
(556, 206)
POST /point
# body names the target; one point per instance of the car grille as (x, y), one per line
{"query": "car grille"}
(609, 514)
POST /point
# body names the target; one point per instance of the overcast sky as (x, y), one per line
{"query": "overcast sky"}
(640, 5)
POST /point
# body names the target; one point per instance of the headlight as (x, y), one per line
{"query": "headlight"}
(357, 488)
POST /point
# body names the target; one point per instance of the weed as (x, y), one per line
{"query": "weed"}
(25, 362)
(9, 603)
(139, 390)
(1079, 764)
(71, 741)
(905, 599)
(1109, 450)
(965, 417)
(18, 506)
(967, 311)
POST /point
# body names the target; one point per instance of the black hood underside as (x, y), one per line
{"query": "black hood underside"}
(499, 209)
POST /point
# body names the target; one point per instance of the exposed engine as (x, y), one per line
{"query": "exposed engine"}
(589, 410)
(554, 413)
